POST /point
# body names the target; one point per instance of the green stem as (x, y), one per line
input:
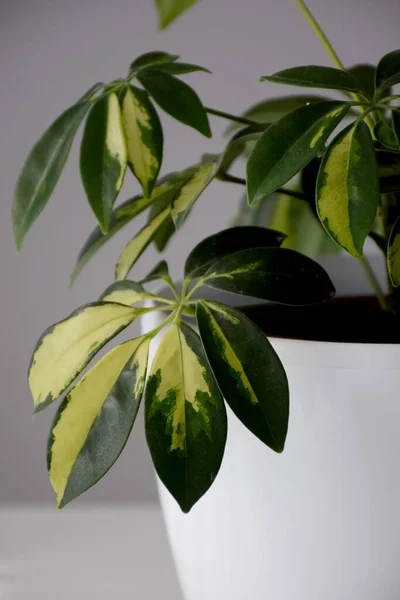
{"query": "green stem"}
(194, 289)
(153, 332)
(374, 283)
(320, 33)
(229, 117)
(172, 287)
(239, 180)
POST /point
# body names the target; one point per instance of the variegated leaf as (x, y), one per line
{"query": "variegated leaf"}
(94, 421)
(65, 348)
(124, 214)
(273, 274)
(42, 170)
(288, 145)
(103, 157)
(138, 244)
(248, 371)
(125, 292)
(393, 254)
(144, 137)
(228, 242)
(188, 193)
(185, 416)
(348, 188)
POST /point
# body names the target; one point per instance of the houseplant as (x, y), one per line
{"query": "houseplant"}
(122, 126)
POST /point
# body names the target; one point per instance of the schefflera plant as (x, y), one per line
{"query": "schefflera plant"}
(350, 180)
(225, 357)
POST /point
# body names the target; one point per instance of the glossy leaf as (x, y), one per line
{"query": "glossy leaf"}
(274, 274)
(316, 77)
(94, 421)
(125, 292)
(388, 71)
(65, 348)
(273, 109)
(185, 416)
(393, 254)
(153, 58)
(180, 68)
(144, 137)
(289, 145)
(138, 244)
(348, 188)
(103, 157)
(385, 134)
(124, 214)
(176, 98)
(249, 373)
(228, 242)
(191, 189)
(42, 170)
(169, 10)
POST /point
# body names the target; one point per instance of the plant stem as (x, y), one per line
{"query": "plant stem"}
(239, 180)
(320, 33)
(374, 283)
(229, 117)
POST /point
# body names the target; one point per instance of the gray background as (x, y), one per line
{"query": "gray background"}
(51, 52)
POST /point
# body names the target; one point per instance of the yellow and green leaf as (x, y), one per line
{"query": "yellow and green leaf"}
(125, 292)
(144, 137)
(393, 254)
(348, 188)
(169, 10)
(124, 214)
(185, 416)
(94, 421)
(138, 244)
(103, 157)
(249, 373)
(65, 349)
(189, 192)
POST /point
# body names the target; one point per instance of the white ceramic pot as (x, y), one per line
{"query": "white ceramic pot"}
(320, 521)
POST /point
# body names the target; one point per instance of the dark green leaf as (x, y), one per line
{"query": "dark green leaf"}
(176, 98)
(385, 134)
(185, 416)
(393, 254)
(396, 126)
(316, 77)
(388, 171)
(289, 145)
(273, 274)
(91, 91)
(228, 242)
(180, 68)
(156, 57)
(348, 188)
(42, 170)
(248, 371)
(169, 10)
(273, 109)
(160, 271)
(103, 157)
(365, 74)
(387, 72)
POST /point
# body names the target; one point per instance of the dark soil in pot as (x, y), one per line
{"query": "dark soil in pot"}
(347, 319)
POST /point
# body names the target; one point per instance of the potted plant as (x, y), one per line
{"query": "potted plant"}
(327, 506)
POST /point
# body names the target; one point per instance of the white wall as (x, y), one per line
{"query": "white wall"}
(51, 52)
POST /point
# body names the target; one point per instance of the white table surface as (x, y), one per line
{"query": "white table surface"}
(85, 553)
